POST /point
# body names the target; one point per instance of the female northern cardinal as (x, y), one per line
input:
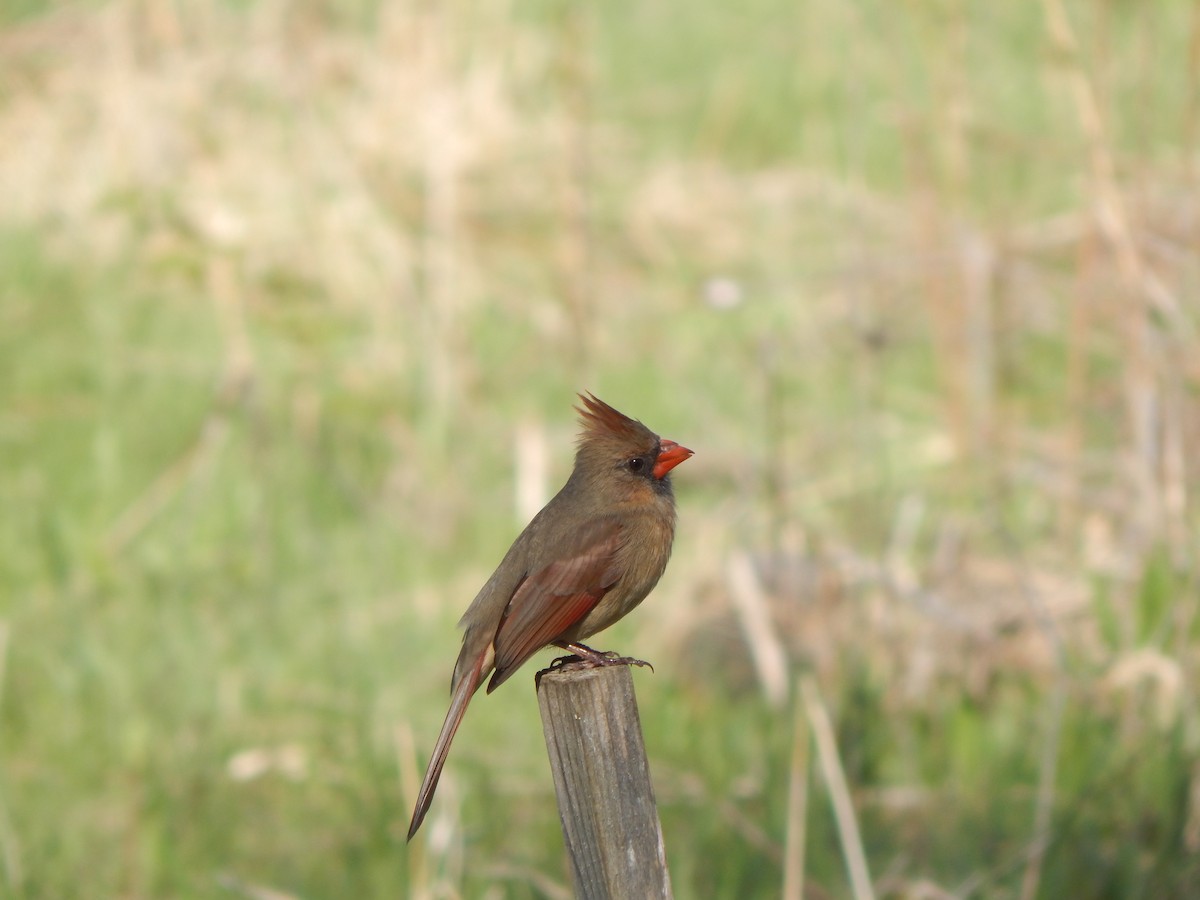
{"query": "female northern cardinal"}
(589, 557)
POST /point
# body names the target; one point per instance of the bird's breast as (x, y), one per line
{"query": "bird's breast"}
(642, 558)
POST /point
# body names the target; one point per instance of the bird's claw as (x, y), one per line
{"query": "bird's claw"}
(594, 659)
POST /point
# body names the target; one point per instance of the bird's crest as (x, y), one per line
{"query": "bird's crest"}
(601, 420)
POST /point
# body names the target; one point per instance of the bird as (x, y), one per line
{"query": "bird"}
(587, 559)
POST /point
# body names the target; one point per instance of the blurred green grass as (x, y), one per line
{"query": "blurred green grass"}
(271, 310)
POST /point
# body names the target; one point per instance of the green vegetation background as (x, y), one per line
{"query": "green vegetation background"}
(291, 292)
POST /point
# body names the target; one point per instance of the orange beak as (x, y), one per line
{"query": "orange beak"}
(670, 455)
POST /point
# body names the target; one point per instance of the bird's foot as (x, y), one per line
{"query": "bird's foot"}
(584, 657)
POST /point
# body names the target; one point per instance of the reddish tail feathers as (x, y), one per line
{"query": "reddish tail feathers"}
(458, 706)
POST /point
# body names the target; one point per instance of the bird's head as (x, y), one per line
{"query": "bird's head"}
(621, 452)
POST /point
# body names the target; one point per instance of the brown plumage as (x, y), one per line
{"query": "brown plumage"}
(589, 557)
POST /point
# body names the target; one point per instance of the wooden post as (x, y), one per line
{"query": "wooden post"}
(602, 779)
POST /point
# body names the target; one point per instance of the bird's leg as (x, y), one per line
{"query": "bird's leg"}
(587, 658)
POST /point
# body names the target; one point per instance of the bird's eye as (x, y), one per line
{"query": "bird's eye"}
(637, 465)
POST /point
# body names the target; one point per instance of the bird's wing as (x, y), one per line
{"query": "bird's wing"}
(553, 598)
